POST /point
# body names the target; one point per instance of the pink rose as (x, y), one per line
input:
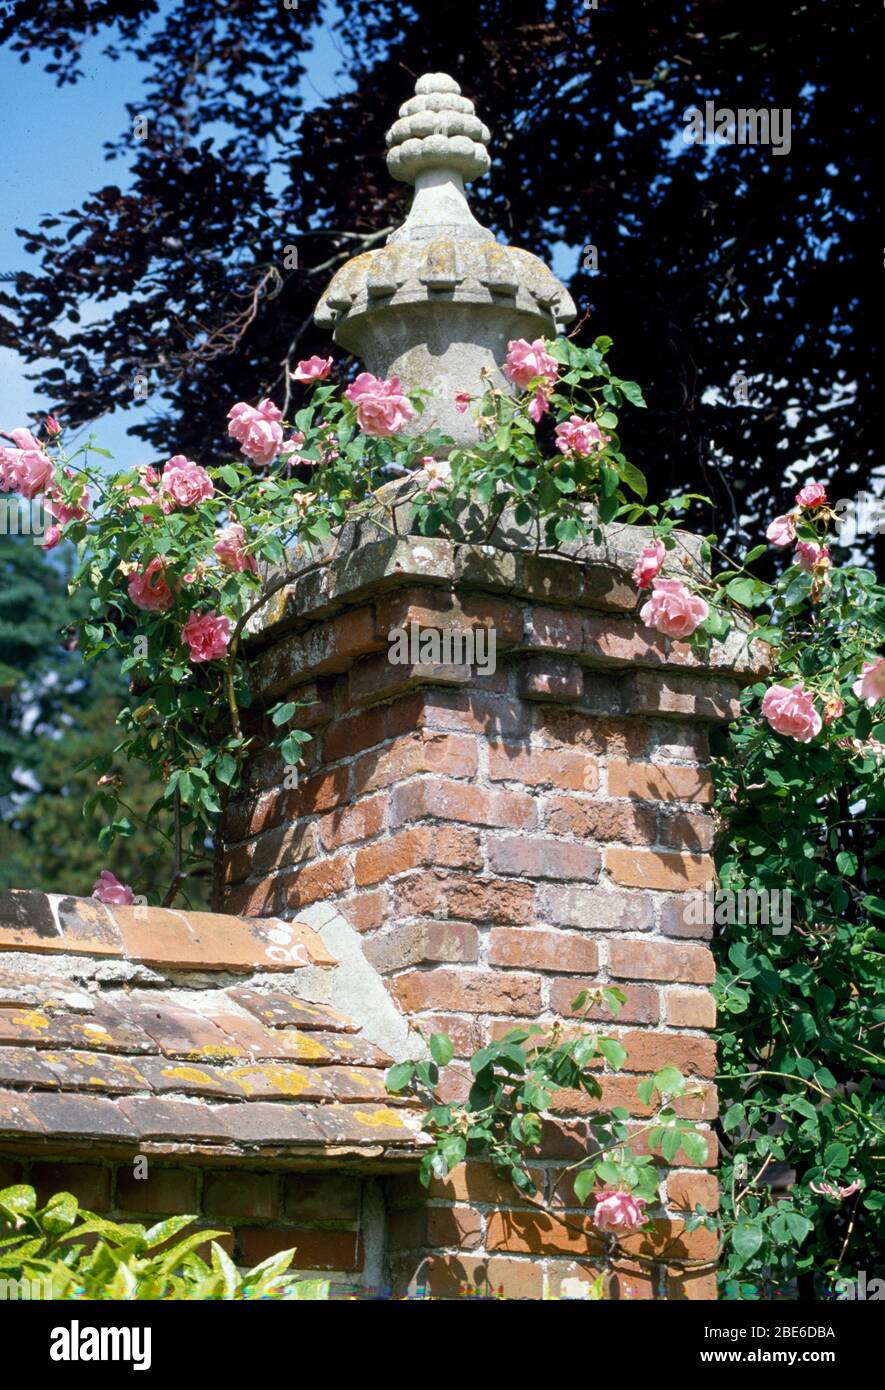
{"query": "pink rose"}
(76, 511)
(150, 590)
(870, 684)
(231, 552)
(809, 555)
(257, 430)
(207, 635)
(25, 469)
(649, 565)
(791, 712)
(580, 436)
(619, 1211)
(673, 609)
(109, 889)
(782, 531)
(812, 495)
(439, 471)
(526, 362)
(51, 538)
(381, 407)
(52, 425)
(462, 401)
(539, 406)
(186, 482)
(833, 709)
(312, 369)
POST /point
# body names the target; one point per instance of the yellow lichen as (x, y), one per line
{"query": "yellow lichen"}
(379, 1117)
(29, 1018)
(188, 1075)
(288, 1080)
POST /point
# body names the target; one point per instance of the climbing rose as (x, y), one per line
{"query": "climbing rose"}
(673, 609)
(207, 635)
(150, 590)
(870, 684)
(525, 362)
(312, 369)
(579, 436)
(51, 538)
(58, 509)
(257, 429)
(438, 471)
(649, 565)
(812, 495)
(381, 407)
(109, 889)
(462, 401)
(186, 482)
(25, 469)
(791, 712)
(782, 531)
(539, 406)
(618, 1211)
(809, 555)
(230, 551)
(833, 709)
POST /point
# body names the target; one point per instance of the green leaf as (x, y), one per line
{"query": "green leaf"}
(670, 1081)
(442, 1049)
(746, 1239)
(633, 393)
(226, 769)
(613, 1052)
(399, 1076)
(633, 478)
(694, 1146)
(584, 1184)
(283, 713)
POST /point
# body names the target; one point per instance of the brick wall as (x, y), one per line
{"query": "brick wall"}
(500, 841)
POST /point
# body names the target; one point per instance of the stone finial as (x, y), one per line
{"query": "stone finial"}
(437, 305)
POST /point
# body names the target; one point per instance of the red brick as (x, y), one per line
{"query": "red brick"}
(437, 609)
(651, 1051)
(594, 908)
(286, 845)
(464, 1032)
(691, 1284)
(321, 1197)
(252, 899)
(456, 848)
(353, 823)
(366, 911)
(320, 793)
(661, 960)
(537, 858)
(641, 1005)
(453, 754)
(640, 868)
(454, 1226)
(317, 881)
(690, 1008)
(660, 782)
(687, 830)
(685, 916)
(542, 1233)
(688, 1190)
(716, 700)
(671, 1240)
(622, 1090)
(459, 802)
(476, 712)
(313, 1249)
(478, 1183)
(345, 737)
(556, 628)
(550, 678)
(422, 943)
(542, 950)
(394, 855)
(473, 899)
(468, 991)
(601, 820)
(164, 1192)
(234, 1196)
(468, 1276)
(562, 728)
(512, 762)
(622, 641)
(88, 1182)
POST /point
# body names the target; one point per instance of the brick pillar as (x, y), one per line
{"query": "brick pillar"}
(500, 841)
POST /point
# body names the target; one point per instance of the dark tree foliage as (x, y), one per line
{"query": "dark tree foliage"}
(711, 262)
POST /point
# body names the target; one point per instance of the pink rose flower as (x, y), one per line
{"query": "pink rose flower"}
(109, 889)
(62, 513)
(526, 362)
(52, 425)
(257, 430)
(439, 471)
(782, 531)
(812, 495)
(150, 590)
(381, 407)
(231, 551)
(833, 709)
(791, 712)
(649, 565)
(870, 684)
(462, 401)
(578, 435)
(673, 609)
(618, 1211)
(539, 406)
(809, 555)
(25, 469)
(312, 369)
(51, 538)
(207, 635)
(185, 482)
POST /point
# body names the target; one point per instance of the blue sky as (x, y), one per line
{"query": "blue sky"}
(53, 157)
